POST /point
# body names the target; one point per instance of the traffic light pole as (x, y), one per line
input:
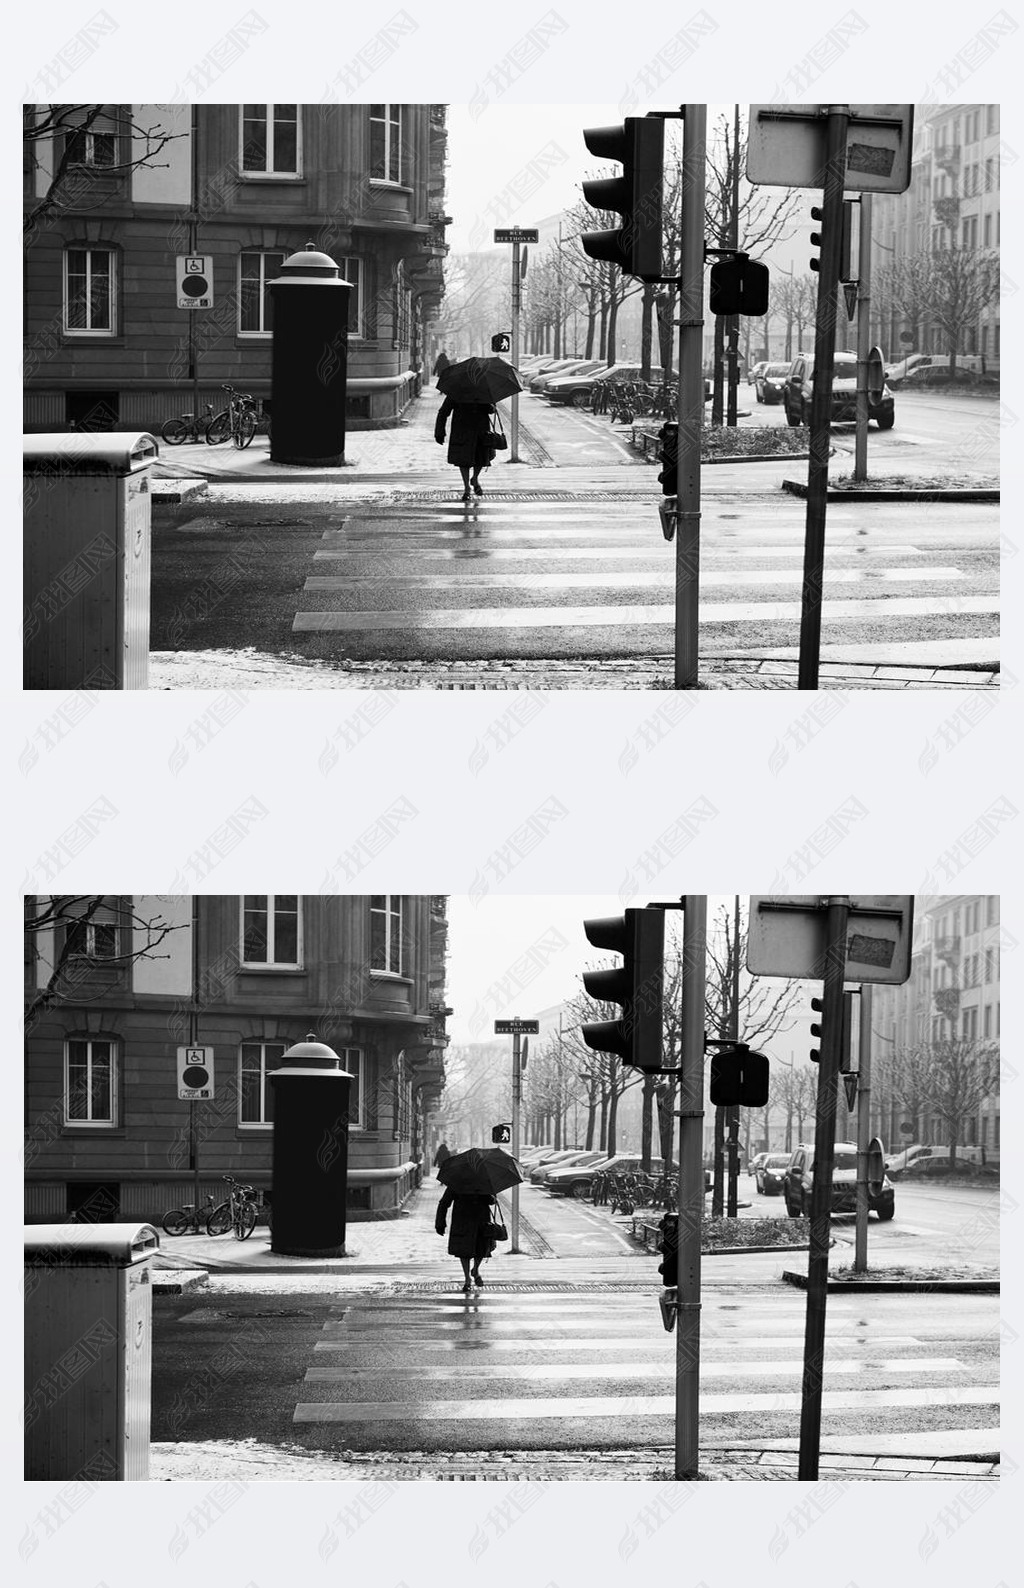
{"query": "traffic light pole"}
(860, 1260)
(514, 457)
(821, 1193)
(691, 396)
(517, 1098)
(691, 1187)
(860, 465)
(821, 396)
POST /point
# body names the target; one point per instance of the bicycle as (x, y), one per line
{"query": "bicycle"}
(190, 1219)
(188, 428)
(237, 420)
(237, 1214)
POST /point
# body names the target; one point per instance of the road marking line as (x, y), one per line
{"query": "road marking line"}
(330, 1373)
(633, 578)
(637, 616)
(561, 1407)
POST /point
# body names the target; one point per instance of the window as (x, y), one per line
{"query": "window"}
(255, 1095)
(92, 148)
(351, 1059)
(386, 143)
(386, 933)
(93, 939)
(89, 291)
(254, 302)
(992, 125)
(989, 171)
(352, 270)
(987, 1022)
(89, 1082)
(992, 908)
(987, 235)
(270, 140)
(271, 929)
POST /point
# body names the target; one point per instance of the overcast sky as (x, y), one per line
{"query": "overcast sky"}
(520, 164)
(520, 954)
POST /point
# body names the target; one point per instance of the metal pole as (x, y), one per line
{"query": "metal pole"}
(517, 1092)
(691, 1186)
(821, 399)
(733, 1115)
(193, 245)
(516, 298)
(821, 1194)
(733, 321)
(193, 1040)
(691, 396)
(860, 465)
(860, 1261)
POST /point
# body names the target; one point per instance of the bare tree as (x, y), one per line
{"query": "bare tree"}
(949, 1077)
(95, 937)
(739, 216)
(124, 145)
(963, 282)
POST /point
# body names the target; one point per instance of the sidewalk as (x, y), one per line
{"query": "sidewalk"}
(405, 1256)
(391, 464)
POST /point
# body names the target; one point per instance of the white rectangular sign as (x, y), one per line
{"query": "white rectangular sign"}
(786, 147)
(786, 937)
(195, 1074)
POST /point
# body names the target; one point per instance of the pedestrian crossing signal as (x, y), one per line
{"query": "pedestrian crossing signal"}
(501, 342)
(501, 1134)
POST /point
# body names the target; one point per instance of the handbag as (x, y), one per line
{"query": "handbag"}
(496, 1230)
(496, 440)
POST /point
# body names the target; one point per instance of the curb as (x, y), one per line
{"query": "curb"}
(951, 1287)
(797, 488)
(176, 1282)
(741, 1251)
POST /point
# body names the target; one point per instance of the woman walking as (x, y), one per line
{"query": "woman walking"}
(469, 447)
(469, 1240)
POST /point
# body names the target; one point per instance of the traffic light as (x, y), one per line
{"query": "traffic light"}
(639, 936)
(639, 146)
(739, 1078)
(501, 342)
(846, 241)
(739, 286)
(668, 479)
(668, 1268)
(845, 1039)
(502, 1134)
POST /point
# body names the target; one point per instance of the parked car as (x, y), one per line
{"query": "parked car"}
(769, 1174)
(576, 1180)
(755, 370)
(931, 377)
(770, 382)
(582, 366)
(915, 363)
(578, 389)
(796, 394)
(541, 1174)
(756, 1161)
(798, 1181)
(898, 1162)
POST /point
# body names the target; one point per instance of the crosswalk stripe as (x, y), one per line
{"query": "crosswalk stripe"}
(635, 616)
(577, 1407)
(634, 578)
(630, 1343)
(791, 551)
(329, 1373)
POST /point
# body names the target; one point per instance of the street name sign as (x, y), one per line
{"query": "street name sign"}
(195, 1074)
(786, 936)
(511, 1028)
(786, 147)
(516, 234)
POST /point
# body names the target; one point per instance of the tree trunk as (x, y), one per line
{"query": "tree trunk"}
(646, 331)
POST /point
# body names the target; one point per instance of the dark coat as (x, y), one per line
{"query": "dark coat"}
(470, 1217)
(471, 424)
(441, 363)
(443, 1152)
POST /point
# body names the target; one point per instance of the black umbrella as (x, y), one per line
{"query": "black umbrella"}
(480, 1171)
(479, 380)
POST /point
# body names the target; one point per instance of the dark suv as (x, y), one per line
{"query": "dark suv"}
(798, 1180)
(796, 393)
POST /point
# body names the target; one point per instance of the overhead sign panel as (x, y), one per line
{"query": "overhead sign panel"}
(786, 147)
(786, 936)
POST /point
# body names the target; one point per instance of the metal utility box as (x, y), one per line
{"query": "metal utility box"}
(87, 560)
(88, 1350)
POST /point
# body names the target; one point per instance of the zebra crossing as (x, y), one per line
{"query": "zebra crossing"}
(543, 575)
(534, 1370)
